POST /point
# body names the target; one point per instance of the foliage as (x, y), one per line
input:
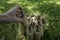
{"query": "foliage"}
(49, 8)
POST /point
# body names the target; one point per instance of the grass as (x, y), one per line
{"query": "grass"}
(50, 8)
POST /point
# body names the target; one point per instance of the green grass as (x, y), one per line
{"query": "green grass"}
(49, 8)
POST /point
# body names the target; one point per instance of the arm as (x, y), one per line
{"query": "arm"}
(12, 15)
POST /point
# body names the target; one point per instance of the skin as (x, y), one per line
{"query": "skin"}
(15, 14)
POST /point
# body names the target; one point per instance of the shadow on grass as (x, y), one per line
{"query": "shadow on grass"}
(4, 5)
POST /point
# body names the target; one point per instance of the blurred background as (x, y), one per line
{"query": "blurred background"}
(49, 8)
